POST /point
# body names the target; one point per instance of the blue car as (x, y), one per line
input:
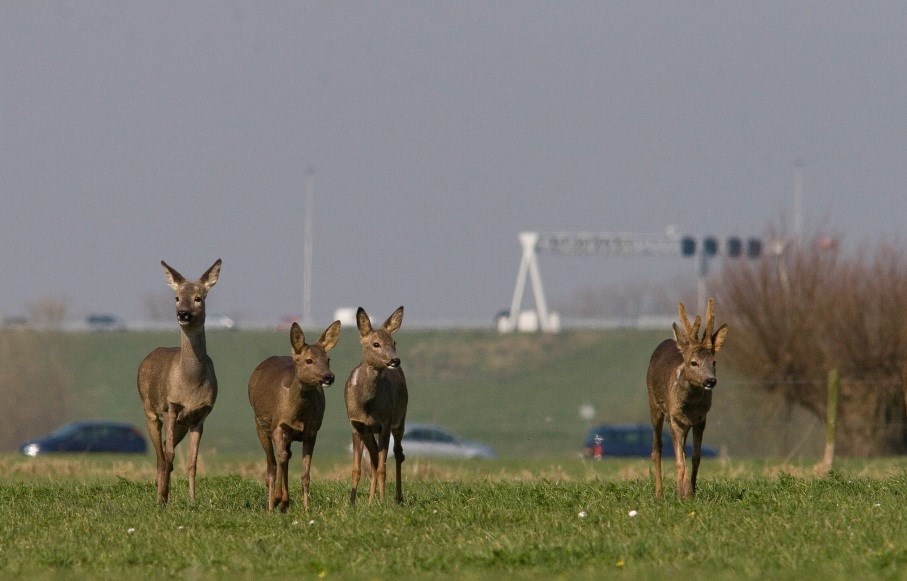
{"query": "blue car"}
(632, 440)
(89, 436)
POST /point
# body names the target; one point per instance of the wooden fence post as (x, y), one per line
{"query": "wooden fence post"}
(831, 419)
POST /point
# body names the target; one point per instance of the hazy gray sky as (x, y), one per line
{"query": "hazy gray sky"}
(132, 132)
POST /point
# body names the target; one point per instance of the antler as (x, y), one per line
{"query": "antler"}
(709, 322)
(692, 330)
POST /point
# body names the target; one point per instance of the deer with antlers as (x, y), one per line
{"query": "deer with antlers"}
(680, 381)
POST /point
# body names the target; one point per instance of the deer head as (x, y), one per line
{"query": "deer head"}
(379, 350)
(313, 366)
(699, 353)
(190, 296)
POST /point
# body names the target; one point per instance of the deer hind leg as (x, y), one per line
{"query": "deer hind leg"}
(268, 447)
(399, 458)
(698, 430)
(357, 463)
(657, 426)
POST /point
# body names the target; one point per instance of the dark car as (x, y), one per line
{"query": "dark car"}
(632, 440)
(104, 322)
(90, 436)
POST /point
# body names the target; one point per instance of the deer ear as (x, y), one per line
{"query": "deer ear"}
(329, 337)
(363, 323)
(718, 337)
(679, 336)
(394, 321)
(297, 338)
(174, 279)
(210, 277)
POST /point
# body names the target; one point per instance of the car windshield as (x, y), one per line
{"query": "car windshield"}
(67, 430)
(429, 435)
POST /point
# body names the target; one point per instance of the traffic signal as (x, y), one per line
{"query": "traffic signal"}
(754, 248)
(688, 246)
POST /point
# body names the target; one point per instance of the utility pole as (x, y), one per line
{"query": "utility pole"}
(798, 202)
(307, 247)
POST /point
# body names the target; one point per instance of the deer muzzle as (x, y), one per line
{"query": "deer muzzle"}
(183, 316)
(710, 383)
(393, 363)
(327, 380)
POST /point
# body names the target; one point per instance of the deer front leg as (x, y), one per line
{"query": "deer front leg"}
(282, 447)
(657, 426)
(154, 433)
(698, 430)
(357, 463)
(308, 448)
(163, 491)
(384, 439)
(399, 457)
(372, 446)
(678, 438)
(195, 437)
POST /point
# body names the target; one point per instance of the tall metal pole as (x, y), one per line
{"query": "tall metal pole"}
(308, 250)
(798, 201)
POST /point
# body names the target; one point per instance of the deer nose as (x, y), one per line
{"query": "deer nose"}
(710, 383)
(328, 379)
(394, 363)
(183, 315)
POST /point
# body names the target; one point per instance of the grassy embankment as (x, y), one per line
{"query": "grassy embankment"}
(519, 393)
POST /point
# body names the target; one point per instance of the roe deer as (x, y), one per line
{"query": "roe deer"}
(680, 380)
(287, 396)
(376, 399)
(177, 384)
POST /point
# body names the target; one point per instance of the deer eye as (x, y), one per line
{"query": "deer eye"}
(177, 299)
(694, 363)
(308, 361)
(198, 299)
(376, 344)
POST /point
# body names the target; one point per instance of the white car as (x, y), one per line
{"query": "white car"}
(216, 321)
(428, 440)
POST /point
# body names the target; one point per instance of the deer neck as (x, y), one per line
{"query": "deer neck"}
(193, 354)
(367, 378)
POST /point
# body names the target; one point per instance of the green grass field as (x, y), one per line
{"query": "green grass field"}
(518, 393)
(538, 511)
(97, 517)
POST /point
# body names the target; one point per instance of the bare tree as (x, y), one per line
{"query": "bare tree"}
(159, 306)
(807, 309)
(47, 311)
(35, 384)
(629, 299)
